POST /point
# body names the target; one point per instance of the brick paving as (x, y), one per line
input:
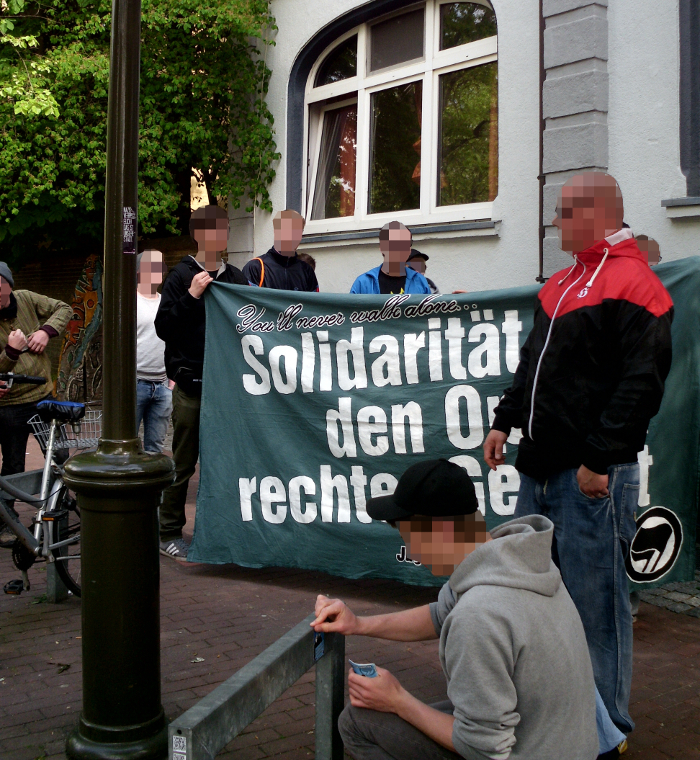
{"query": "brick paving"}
(677, 597)
(227, 615)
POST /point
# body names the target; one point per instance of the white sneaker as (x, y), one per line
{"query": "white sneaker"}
(175, 548)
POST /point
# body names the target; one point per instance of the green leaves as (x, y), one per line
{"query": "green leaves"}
(203, 84)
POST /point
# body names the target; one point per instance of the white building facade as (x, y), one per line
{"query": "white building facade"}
(463, 119)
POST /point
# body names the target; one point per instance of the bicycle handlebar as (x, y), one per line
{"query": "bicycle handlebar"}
(21, 379)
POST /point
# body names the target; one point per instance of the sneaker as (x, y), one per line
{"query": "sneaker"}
(614, 752)
(175, 548)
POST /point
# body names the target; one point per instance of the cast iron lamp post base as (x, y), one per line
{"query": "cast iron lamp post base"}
(117, 744)
(118, 489)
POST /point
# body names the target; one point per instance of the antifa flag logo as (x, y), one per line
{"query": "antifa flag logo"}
(656, 545)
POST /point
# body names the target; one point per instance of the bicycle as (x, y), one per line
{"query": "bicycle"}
(55, 533)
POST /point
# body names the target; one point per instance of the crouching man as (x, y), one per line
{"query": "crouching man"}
(512, 646)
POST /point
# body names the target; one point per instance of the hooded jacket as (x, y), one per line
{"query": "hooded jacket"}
(280, 272)
(592, 371)
(30, 312)
(369, 282)
(180, 322)
(514, 652)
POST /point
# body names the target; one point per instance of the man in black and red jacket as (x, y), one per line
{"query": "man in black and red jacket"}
(590, 378)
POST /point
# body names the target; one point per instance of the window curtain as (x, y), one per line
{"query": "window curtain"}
(337, 147)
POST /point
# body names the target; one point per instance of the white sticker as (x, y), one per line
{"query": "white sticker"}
(179, 756)
(180, 744)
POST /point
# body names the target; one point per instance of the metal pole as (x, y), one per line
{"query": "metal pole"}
(118, 486)
(330, 691)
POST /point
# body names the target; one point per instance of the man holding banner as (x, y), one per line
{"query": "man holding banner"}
(590, 378)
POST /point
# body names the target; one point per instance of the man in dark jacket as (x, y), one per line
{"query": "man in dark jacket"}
(281, 268)
(591, 377)
(180, 322)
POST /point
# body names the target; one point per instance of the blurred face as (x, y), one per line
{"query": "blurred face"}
(441, 545)
(418, 265)
(151, 271)
(589, 210)
(214, 238)
(288, 233)
(396, 250)
(5, 290)
(651, 251)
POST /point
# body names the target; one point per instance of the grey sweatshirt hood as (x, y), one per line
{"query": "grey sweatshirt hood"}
(519, 556)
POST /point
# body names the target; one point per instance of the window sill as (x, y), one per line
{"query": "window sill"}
(682, 208)
(420, 232)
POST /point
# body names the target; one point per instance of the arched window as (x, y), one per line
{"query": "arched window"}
(402, 120)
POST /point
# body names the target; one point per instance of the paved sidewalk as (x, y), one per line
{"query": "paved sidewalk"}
(677, 597)
(227, 615)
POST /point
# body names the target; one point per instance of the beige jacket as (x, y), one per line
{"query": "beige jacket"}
(33, 311)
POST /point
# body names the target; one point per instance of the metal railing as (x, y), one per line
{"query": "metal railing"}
(215, 720)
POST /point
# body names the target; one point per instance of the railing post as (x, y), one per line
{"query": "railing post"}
(330, 688)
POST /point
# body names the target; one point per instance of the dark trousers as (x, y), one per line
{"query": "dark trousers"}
(185, 455)
(14, 434)
(373, 735)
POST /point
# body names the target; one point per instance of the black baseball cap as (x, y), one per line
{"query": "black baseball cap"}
(436, 488)
(416, 254)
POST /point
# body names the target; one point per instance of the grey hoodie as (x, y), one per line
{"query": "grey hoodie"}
(514, 652)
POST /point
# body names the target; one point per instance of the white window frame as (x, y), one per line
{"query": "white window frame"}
(360, 87)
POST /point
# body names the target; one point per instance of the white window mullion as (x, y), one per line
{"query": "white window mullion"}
(430, 24)
(427, 161)
(363, 154)
(363, 124)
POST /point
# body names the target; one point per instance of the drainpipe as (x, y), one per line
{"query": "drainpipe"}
(540, 277)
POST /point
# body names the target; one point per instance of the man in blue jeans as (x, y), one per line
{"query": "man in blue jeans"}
(591, 377)
(154, 395)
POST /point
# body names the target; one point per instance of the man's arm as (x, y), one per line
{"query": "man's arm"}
(509, 412)
(385, 694)
(177, 307)
(433, 723)
(252, 271)
(415, 624)
(55, 314)
(643, 343)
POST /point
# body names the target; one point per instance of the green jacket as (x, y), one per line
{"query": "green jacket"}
(33, 311)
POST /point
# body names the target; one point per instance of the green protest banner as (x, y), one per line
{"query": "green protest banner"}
(313, 403)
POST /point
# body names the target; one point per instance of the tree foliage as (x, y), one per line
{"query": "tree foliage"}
(203, 86)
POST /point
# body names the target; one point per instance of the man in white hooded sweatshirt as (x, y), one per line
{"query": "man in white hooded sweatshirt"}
(512, 646)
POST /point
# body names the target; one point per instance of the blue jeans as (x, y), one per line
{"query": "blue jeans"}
(154, 402)
(591, 540)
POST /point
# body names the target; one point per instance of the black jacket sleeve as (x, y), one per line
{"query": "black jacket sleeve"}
(643, 343)
(252, 272)
(313, 282)
(178, 308)
(509, 412)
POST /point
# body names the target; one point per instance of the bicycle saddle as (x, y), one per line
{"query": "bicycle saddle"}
(63, 411)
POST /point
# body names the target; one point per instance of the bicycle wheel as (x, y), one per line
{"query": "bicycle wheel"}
(68, 556)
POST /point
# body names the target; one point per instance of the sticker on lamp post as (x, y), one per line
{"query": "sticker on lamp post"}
(129, 233)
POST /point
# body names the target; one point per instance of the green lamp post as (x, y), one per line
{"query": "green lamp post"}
(118, 487)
